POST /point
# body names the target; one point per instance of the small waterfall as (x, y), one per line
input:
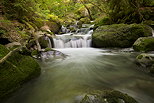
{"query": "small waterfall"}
(80, 39)
(49, 41)
(152, 33)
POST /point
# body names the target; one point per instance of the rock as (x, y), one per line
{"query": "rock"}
(3, 51)
(15, 70)
(107, 96)
(146, 61)
(144, 44)
(43, 42)
(85, 20)
(119, 35)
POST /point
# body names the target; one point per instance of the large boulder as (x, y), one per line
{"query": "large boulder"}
(144, 44)
(15, 69)
(119, 35)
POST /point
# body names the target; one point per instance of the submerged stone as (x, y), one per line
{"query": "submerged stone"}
(107, 96)
(119, 35)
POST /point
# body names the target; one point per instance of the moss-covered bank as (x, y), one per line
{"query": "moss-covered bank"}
(119, 35)
(15, 70)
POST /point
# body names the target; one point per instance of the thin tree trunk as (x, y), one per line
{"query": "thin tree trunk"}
(90, 17)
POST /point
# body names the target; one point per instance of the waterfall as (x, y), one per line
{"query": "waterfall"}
(49, 41)
(80, 39)
(152, 33)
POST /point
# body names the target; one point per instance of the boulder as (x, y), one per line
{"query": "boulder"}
(107, 96)
(15, 69)
(146, 61)
(144, 44)
(119, 35)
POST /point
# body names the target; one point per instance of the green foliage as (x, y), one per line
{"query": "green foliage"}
(2, 31)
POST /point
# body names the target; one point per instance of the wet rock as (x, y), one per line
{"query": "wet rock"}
(119, 35)
(144, 44)
(107, 96)
(146, 61)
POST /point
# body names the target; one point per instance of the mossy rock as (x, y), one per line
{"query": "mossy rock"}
(144, 44)
(16, 70)
(149, 22)
(35, 53)
(146, 62)
(119, 35)
(85, 20)
(3, 51)
(43, 42)
(107, 96)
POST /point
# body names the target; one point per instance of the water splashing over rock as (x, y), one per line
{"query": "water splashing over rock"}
(81, 38)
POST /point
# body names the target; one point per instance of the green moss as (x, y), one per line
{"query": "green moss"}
(3, 51)
(102, 21)
(2, 31)
(139, 56)
(16, 70)
(43, 43)
(107, 96)
(35, 52)
(85, 20)
(144, 44)
(48, 49)
(119, 35)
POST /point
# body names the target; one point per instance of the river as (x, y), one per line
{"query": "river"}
(67, 79)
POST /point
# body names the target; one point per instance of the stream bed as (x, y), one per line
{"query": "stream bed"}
(67, 79)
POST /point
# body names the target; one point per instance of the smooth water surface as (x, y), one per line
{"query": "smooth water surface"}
(66, 80)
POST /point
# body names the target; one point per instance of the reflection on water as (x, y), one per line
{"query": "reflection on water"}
(83, 70)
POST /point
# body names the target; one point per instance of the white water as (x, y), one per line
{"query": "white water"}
(49, 42)
(80, 39)
(152, 33)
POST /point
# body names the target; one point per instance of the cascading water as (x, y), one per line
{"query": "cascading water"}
(80, 39)
(49, 41)
(152, 33)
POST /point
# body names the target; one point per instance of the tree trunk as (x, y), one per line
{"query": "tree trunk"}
(89, 13)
